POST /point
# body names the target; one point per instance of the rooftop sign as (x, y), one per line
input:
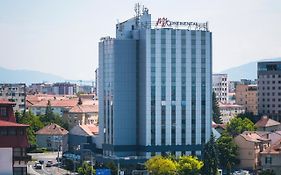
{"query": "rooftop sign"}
(164, 22)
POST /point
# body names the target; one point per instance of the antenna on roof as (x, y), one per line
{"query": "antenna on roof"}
(138, 13)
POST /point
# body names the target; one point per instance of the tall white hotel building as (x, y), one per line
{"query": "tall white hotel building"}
(155, 85)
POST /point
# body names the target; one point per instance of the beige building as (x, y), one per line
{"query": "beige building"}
(81, 115)
(250, 145)
(246, 95)
(271, 158)
(267, 124)
(229, 111)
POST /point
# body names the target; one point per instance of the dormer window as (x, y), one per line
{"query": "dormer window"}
(3, 112)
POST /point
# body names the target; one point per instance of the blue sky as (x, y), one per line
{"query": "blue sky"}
(61, 37)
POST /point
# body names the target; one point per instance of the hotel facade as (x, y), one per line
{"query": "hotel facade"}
(155, 88)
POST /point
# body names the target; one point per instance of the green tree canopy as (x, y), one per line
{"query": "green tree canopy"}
(210, 157)
(228, 152)
(34, 123)
(237, 126)
(189, 165)
(159, 165)
(51, 117)
(216, 109)
(86, 169)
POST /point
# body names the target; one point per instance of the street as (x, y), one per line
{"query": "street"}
(53, 170)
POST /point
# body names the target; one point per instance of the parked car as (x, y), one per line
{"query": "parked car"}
(49, 163)
(41, 162)
(38, 166)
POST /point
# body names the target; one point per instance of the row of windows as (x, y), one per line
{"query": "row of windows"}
(269, 82)
(273, 106)
(11, 131)
(269, 94)
(271, 112)
(273, 99)
(269, 76)
(268, 88)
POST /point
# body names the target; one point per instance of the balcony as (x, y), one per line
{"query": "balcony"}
(22, 158)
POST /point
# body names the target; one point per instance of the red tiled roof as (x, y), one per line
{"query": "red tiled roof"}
(84, 109)
(273, 149)
(11, 124)
(90, 129)
(52, 129)
(252, 136)
(214, 125)
(57, 103)
(266, 122)
(6, 102)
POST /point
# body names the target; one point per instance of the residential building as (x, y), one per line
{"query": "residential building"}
(13, 142)
(229, 111)
(269, 89)
(14, 93)
(85, 89)
(271, 158)
(154, 88)
(267, 124)
(80, 136)
(246, 95)
(59, 106)
(251, 144)
(220, 87)
(39, 88)
(81, 115)
(248, 82)
(64, 88)
(53, 137)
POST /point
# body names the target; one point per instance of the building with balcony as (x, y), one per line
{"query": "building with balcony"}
(220, 87)
(229, 111)
(14, 93)
(250, 145)
(13, 142)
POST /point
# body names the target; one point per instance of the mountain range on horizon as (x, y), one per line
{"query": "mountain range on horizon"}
(244, 71)
(27, 76)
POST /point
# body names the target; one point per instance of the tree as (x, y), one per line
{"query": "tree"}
(189, 165)
(239, 125)
(159, 165)
(86, 169)
(34, 123)
(49, 114)
(210, 157)
(51, 117)
(112, 166)
(228, 152)
(216, 110)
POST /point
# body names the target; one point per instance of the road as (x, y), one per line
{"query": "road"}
(45, 170)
